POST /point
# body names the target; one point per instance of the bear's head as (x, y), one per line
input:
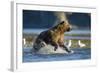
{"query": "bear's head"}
(63, 27)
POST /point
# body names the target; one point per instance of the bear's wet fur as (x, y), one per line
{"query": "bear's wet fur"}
(53, 36)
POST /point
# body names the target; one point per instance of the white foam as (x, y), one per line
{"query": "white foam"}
(50, 50)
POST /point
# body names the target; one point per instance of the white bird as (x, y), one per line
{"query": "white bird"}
(81, 44)
(24, 41)
(69, 43)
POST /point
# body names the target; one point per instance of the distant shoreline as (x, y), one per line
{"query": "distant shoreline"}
(78, 31)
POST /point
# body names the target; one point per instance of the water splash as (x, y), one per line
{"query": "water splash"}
(61, 16)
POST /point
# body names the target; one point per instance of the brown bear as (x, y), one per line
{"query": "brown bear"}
(53, 36)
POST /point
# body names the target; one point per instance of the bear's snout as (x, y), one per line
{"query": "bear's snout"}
(69, 28)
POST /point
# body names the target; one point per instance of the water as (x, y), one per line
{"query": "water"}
(79, 54)
(37, 31)
(78, 37)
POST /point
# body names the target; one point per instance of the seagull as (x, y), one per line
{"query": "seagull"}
(81, 44)
(24, 41)
(69, 43)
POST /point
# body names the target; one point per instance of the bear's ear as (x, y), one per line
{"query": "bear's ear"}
(62, 22)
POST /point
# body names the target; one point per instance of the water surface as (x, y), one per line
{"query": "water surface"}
(79, 54)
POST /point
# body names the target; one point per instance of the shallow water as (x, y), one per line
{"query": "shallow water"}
(38, 31)
(79, 54)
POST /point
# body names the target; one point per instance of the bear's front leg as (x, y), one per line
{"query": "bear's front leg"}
(55, 45)
(61, 44)
(65, 48)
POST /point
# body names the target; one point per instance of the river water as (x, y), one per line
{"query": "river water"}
(79, 53)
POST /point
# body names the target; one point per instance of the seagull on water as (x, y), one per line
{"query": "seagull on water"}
(69, 43)
(81, 44)
(24, 41)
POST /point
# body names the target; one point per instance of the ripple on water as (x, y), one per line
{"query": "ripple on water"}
(79, 54)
